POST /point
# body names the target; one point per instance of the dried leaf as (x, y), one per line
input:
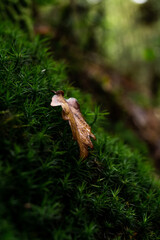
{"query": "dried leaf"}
(80, 129)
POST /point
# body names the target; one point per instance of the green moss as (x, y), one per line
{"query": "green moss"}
(19, 12)
(46, 191)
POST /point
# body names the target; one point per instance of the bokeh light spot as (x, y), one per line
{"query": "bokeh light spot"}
(139, 1)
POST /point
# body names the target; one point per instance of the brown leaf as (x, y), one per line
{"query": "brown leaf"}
(80, 129)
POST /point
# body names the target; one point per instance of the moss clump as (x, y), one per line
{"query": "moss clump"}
(46, 191)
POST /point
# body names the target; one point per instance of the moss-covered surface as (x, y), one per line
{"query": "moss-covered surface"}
(46, 191)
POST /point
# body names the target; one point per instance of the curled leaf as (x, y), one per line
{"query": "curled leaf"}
(80, 129)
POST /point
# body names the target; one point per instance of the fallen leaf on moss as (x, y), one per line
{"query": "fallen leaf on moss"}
(80, 129)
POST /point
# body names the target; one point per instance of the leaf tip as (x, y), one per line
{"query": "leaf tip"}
(59, 92)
